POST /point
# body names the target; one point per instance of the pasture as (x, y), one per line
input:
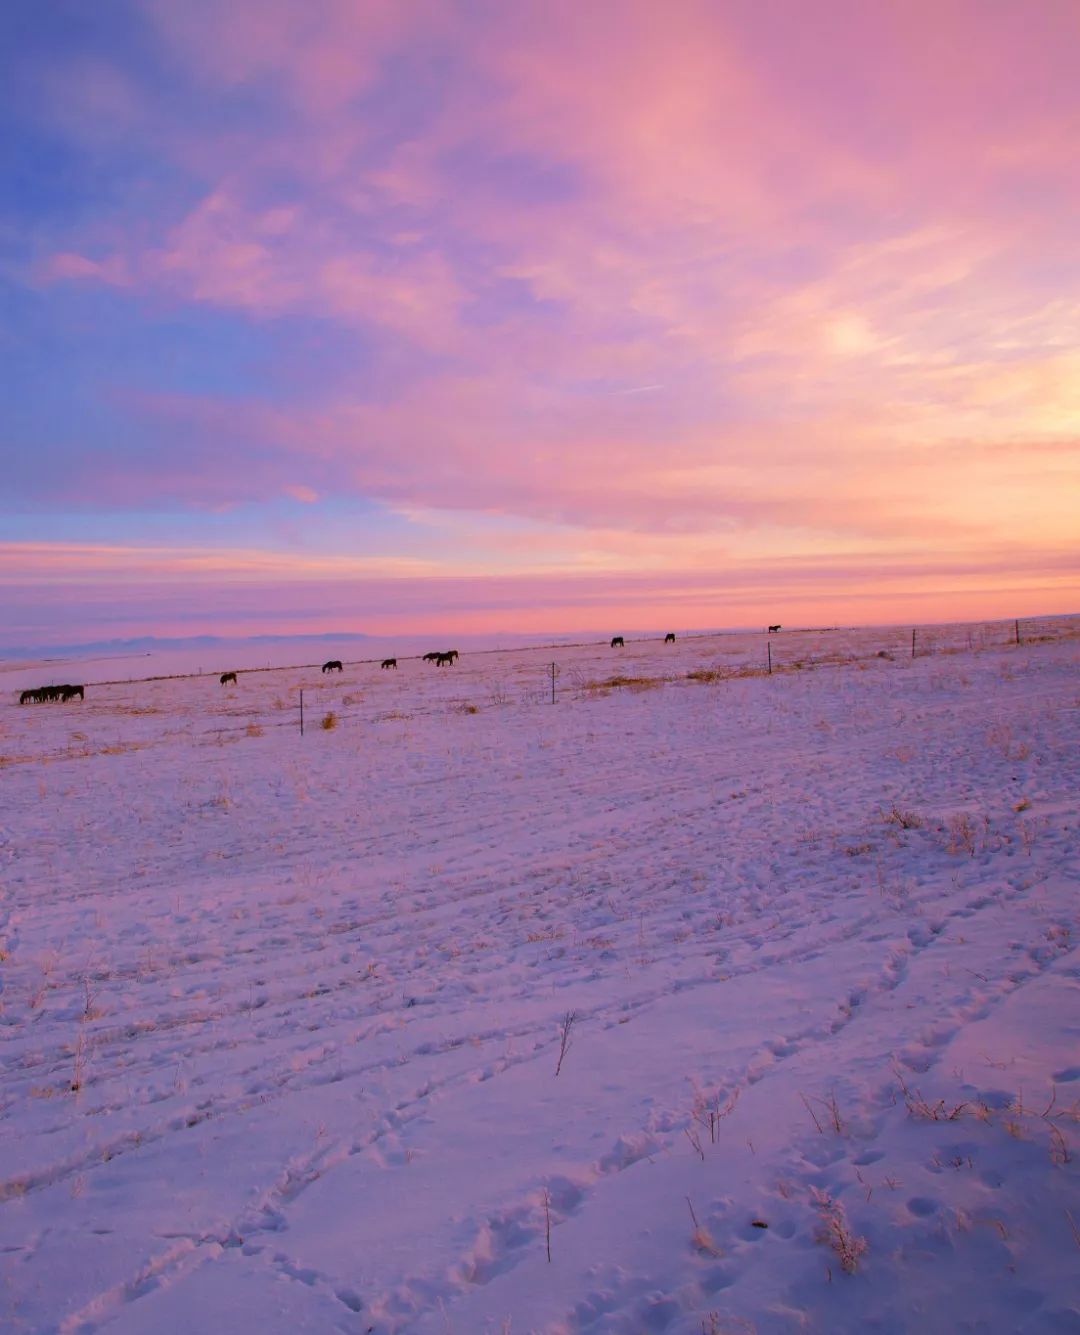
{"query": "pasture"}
(700, 1001)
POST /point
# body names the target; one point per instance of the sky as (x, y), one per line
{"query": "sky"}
(397, 317)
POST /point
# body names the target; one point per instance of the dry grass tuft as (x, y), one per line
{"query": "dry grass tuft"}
(619, 681)
(835, 1232)
(962, 833)
(903, 820)
(701, 1238)
(329, 722)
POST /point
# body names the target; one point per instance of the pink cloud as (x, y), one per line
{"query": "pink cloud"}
(66, 266)
(823, 239)
(95, 592)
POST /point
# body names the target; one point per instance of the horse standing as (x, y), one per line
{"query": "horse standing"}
(334, 665)
(227, 677)
(617, 642)
(774, 629)
(389, 662)
(669, 638)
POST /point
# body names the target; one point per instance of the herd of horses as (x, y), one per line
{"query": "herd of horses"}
(39, 694)
(450, 657)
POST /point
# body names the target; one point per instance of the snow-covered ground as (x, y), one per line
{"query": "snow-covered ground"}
(694, 1004)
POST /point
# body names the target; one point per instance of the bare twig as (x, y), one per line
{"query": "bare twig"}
(810, 1110)
(565, 1040)
(695, 1140)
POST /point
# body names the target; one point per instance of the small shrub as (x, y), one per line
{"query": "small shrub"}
(253, 730)
(329, 722)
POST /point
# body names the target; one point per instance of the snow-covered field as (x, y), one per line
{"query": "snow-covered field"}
(692, 1004)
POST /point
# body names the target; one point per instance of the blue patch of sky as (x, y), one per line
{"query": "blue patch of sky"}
(78, 358)
(340, 525)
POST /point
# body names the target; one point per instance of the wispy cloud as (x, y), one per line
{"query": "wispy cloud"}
(650, 278)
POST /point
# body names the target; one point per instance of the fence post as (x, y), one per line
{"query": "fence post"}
(1017, 630)
(301, 711)
(768, 646)
(913, 643)
(553, 683)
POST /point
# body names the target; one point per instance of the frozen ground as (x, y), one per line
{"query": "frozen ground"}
(281, 1015)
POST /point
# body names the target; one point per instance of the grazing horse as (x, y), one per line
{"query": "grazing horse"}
(226, 677)
(334, 665)
(773, 629)
(389, 662)
(452, 655)
(443, 660)
(617, 642)
(669, 638)
(30, 697)
(69, 692)
(433, 657)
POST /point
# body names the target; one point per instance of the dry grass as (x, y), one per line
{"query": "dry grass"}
(830, 1113)
(835, 1232)
(701, 1238)
(329, 721)
(619, 681)
(902, 819)
(962, 832)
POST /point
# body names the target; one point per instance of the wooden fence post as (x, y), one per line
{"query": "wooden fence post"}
(301, 711)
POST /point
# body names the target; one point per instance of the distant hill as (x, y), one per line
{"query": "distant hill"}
(148, 644)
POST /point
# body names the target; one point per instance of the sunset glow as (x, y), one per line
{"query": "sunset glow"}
(394, 317)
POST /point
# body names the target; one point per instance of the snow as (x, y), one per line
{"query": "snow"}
(281, 1014)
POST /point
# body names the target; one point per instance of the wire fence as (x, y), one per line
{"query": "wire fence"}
(131, 715)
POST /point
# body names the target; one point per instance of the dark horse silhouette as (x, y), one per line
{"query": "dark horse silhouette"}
(334, 665)
(433, 657)
(774, 629)
(226, 677)
(617, 642)
(443, 660)
(669, 638)
(389, 662)
(62, 693)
